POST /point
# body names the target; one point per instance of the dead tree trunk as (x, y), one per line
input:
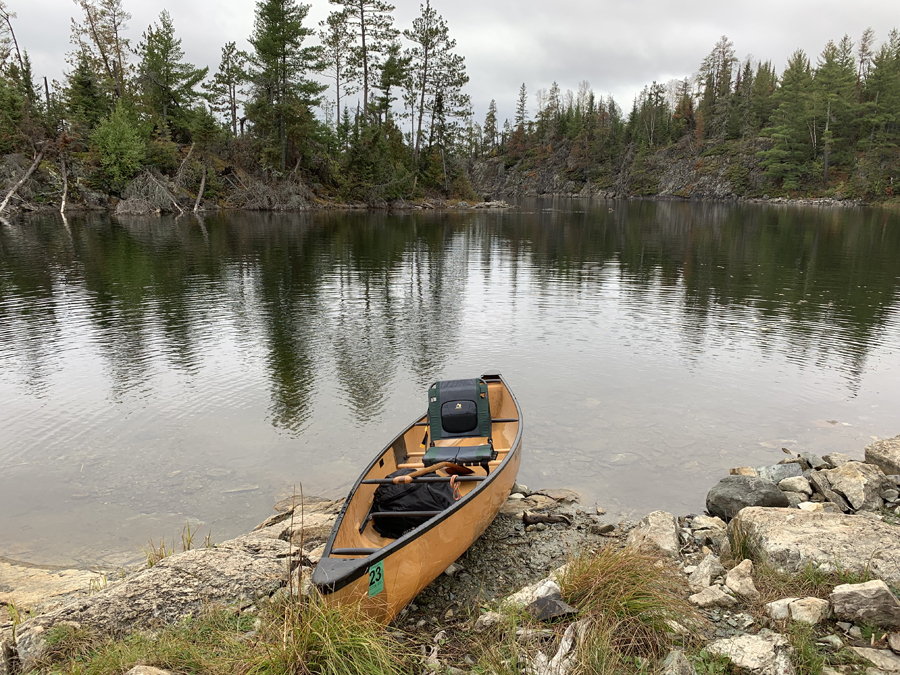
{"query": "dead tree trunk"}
(65, 177)
(15, 188)
(200, 193)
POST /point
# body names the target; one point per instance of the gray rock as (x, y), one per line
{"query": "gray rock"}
(6, 658)
(487, 620)
(549, 608)
(861, 484)
(733, 493)
(716, 538)
(545, 588)
(890, 495)
(676, 663)
(884, 659)
(885, 454)
(147, 670)
(764, 654)
(707, 523)
(815, 462)
(778, 472)
(657, 530)
(833, 641)
(836, 459)
(740, 580)
(518, 487)
(795, 499)
(790, 540)
(712, 596)
(780, 610)
(871, 602)
(453, 570)
(809, 610)
(705, 572)
(796, 484)
(894, 642)
(241, 570)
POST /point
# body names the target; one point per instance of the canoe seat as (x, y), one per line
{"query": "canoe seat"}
(457, 410)
(459, 454)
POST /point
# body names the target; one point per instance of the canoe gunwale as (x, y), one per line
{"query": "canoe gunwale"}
(353, 568)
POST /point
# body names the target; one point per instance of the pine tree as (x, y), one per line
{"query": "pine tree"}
(522, 108)
(834, 102)
(490, 127)
(372, 24)
(86, 102)
(101, 38)
(224, 92)
(337, 44)
(168, 84)
(716, 73)
(282, 94)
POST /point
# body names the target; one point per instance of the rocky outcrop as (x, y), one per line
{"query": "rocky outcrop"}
(734, 493)
(791, 539)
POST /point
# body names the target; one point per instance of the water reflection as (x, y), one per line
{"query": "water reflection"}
(647, 340)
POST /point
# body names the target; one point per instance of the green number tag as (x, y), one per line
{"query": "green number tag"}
(376, 578)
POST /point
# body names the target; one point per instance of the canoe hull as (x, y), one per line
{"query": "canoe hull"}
(409, 569)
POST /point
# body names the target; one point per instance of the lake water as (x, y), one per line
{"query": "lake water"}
(155, 372)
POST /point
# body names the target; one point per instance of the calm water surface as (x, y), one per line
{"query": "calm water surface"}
(156, 372)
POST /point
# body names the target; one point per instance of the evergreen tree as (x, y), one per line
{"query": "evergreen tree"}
(224, 92)
(372, 24)
(168, 84)
(762, 102)
(337, 44)
(101, 39)
(834, 103)
(282, 92)
(490, 127)
(716, 73)
(791, 125)
(522, 108)
(87, 104)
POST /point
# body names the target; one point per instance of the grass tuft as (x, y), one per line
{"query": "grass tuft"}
(632, 597)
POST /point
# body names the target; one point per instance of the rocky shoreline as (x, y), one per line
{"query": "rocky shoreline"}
(809, 544)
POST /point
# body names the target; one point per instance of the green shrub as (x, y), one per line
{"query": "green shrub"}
(121, 148)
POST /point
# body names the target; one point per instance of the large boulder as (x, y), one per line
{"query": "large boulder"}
(733, 493)
(657, 531)
(871, 602)
(885, 454)
(790, 540)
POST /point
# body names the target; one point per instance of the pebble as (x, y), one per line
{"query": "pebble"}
(855, 632)
(601, 511)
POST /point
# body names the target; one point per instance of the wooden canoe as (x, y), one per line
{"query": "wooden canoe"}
(383, 575)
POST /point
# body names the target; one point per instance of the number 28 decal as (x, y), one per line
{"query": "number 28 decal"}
(376, 578)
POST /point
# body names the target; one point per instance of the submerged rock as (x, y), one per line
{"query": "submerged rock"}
(733, 493)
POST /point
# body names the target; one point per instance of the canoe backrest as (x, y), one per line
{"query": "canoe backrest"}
(459, 409)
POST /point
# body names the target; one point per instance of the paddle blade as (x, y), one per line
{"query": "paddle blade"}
(457, 470)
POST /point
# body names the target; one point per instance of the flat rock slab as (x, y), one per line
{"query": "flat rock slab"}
(31, 587)
(885, 454)
(238, 571)
(870, 602)
(764, 654)
(883, 659)
(790, 539)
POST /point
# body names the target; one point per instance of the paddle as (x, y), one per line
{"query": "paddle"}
(449, 467)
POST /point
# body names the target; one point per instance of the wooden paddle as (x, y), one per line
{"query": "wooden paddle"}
(449, 467)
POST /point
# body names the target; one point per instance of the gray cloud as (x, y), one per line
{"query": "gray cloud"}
(617, 46)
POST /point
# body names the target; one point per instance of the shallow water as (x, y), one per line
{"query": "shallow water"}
(156, 371)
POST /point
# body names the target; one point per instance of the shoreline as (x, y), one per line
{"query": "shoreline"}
(830, 514)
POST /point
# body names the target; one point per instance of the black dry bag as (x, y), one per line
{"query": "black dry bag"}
(407, 497)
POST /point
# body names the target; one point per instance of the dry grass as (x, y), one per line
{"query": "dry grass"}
(632, 597)
(305, 637)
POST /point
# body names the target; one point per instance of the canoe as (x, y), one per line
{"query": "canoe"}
(383, 575)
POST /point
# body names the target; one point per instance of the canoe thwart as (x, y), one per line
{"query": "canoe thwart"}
(405, 514)
(423, 479)
(354, 551)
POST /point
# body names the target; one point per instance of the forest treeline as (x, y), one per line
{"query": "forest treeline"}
(829, 128)
(394, 121)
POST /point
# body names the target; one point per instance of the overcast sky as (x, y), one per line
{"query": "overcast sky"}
(617, 45)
